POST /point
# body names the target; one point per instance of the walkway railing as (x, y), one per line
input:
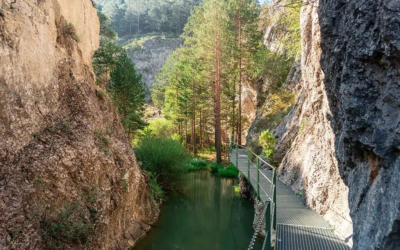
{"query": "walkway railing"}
(268, 198)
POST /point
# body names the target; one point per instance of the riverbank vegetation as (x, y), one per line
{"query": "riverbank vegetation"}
(165, 158)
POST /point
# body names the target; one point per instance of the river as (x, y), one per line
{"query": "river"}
(208, 215)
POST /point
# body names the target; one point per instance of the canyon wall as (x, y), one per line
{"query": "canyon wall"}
(360, 58)
(339, 144)
(65, 161)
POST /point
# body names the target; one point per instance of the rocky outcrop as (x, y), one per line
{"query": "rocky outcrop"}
(360, 58)
(64, 156)
(151, 57)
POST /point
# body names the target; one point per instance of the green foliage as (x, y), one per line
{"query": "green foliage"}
(255, 147)
(106, 31)
(105, 59)
(236, 188)
(214, 168)
(132, 17)
(286, 21)
(268, 142)
(165, 158)
(197, 164)
(230, 171)
(38, 181)
(161, 127)
(176, 137)
(70, 29)
(156, 191)
(128, 93)
(187, 90)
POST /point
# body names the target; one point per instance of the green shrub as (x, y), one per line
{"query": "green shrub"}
(197, 164)
(71, 30)
(267, 141)
(156, 191)
(230, 172)
(69, 226)
(164, 157)
(214, 168)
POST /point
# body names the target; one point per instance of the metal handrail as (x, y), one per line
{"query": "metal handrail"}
(254, 154)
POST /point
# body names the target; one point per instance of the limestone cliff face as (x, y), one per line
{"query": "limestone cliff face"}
(151, 57)
(360, 58)
(61, 141)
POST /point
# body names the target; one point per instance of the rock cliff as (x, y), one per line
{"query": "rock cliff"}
(65, 162)
(151, 57)
(360, 59)
(339, 144)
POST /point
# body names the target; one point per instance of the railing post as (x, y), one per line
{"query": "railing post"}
(248, 169)
(268, 226)
(237, 157)
(258, 178)
(274, 198)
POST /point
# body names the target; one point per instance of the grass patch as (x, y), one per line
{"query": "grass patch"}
(230, 172)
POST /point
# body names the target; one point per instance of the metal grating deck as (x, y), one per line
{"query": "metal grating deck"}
(299, 228)
(307, 238)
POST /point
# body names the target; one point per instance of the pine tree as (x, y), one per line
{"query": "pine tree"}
(128, 93)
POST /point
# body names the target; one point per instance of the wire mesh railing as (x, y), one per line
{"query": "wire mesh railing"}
(269, 212)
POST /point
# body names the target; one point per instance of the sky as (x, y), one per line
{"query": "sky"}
(263, 1)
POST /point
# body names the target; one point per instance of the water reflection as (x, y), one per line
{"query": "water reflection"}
(207, 216)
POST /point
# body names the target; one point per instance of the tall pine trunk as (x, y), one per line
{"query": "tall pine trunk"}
(194, 121)
(201, 132)
(239, 121)
(218, 97)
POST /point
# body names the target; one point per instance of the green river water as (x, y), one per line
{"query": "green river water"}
(209, 215)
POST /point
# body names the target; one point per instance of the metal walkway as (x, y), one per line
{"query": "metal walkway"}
(298, 227)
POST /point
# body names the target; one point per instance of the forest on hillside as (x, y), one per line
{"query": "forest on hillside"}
(200, 88)
(138, 17)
